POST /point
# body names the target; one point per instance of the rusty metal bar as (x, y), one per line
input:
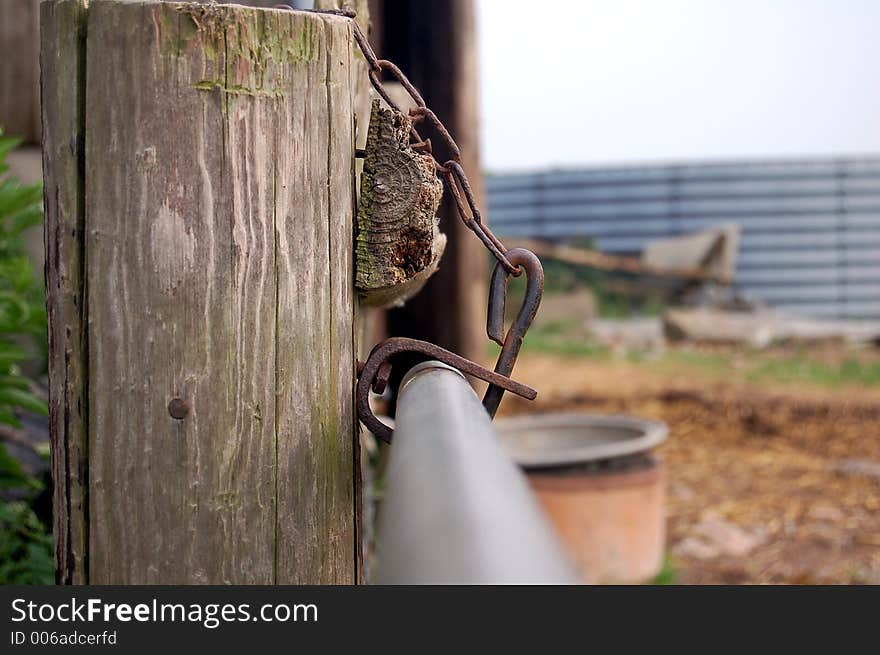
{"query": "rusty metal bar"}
(456, 509)
(375, 372)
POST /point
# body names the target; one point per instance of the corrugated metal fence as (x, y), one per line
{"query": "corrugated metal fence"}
(810, 229)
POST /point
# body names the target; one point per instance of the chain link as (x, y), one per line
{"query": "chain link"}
(451, 172)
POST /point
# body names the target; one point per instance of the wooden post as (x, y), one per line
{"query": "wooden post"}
(19, 69)
(63, 65)
(199, 194)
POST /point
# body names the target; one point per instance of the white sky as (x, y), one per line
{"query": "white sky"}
(568, 82)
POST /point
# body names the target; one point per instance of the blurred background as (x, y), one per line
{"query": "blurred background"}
(737, 140)
(702, 182)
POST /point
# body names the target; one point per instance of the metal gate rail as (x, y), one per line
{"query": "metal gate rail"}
(456, 509)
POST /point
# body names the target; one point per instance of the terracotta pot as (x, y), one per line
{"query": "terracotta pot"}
(602, 489)
(612, 522)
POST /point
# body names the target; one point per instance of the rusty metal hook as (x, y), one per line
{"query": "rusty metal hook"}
(512, 341)
(375, 371)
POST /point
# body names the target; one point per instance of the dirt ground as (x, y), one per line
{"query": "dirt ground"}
(767, 484)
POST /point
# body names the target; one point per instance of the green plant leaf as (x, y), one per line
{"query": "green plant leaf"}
(25, 543)
(12, 475)
(25, 547)
(24, 399)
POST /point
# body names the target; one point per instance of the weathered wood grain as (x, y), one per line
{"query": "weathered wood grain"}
(62, 62)
(20, 69)
(360, 69)
(316, 538)
(361, 107)
(218, 205)
(398, 245)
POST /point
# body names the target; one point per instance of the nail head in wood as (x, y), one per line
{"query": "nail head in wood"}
(178, 408)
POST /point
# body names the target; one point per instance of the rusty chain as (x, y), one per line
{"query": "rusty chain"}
(375, 372)
(452, 172)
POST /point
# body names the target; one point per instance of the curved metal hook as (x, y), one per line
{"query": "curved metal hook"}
(375, 373)
(512, 341)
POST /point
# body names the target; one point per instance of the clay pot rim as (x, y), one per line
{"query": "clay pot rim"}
(652, 434)
(561, 480)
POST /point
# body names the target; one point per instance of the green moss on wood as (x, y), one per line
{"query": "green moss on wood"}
(250, 48)
(214, 85)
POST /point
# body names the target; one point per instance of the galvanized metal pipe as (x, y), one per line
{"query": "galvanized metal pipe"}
(456, 509)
